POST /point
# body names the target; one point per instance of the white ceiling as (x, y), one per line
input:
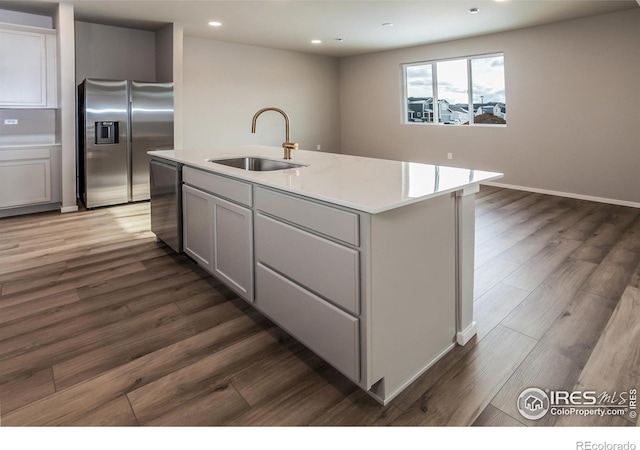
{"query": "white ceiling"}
(292, 24)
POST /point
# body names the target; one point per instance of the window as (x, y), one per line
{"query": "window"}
(466, 91)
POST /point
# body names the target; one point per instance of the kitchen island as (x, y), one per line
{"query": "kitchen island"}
(367, 262)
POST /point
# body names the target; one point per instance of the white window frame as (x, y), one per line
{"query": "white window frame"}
(434, 80)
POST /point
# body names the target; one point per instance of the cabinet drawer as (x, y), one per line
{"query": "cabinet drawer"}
(328, 331)
(20, 154)
(339, 224)
(224, 187)
(327, 268)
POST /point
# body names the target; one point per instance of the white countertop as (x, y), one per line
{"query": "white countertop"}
(365, 184)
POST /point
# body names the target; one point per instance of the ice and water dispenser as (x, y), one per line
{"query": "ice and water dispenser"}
(107, 132)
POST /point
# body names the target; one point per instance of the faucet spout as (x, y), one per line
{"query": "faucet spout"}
(287, 145)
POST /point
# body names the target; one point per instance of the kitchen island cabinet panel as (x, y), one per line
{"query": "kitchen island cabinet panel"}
(412, 277)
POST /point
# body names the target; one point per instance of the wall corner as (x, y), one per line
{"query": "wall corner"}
(66, 112)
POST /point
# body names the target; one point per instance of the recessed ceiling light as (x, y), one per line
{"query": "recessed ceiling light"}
(474, 11)
(316, 41)
(215, 23)
(387, 24)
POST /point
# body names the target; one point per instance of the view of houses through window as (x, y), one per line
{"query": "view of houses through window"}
(467, 91)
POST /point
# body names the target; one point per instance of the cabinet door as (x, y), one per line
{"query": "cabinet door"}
(198, 225)
(24, 183)
(233, 246)
(27, 72)
(26, 176)
(218, 235)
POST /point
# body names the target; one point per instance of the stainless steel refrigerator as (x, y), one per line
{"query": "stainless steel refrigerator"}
(118, 122)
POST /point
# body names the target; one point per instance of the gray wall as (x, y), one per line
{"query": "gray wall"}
(225, 84)
(572, 108)
(164, 54)
(65, 114)
(114, 53)
(20, 18)
(35, 126)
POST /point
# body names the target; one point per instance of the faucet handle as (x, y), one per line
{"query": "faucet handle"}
(288, 146)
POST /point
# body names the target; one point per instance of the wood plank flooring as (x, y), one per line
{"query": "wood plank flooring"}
(100, 325)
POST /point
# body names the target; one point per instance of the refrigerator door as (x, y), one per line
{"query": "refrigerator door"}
(151, 129)
(105, 143)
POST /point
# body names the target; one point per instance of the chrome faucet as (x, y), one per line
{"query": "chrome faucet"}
(286, 145)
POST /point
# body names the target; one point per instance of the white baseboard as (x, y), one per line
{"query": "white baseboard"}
(590, 198)
(464, 336)
(68, 209)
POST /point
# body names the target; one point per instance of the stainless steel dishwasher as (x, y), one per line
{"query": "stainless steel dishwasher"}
(166, 202)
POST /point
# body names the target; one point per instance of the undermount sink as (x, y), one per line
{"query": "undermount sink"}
(255, 163)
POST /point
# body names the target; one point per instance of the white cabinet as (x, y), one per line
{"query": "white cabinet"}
(218, 233)
(198, 221)
(29, 176)
(233, 246)
(330, 269)
(306, 282)
(27, 67)
(374, 295)
(330, 332)
(326, 220)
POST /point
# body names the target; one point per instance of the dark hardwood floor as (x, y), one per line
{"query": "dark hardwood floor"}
(99, 325)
